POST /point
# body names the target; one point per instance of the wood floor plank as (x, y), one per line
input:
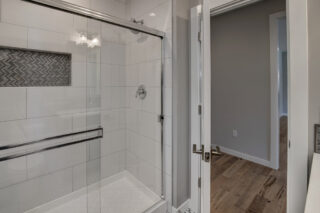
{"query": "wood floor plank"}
(234, 168)
(240, 186)
(251, 192)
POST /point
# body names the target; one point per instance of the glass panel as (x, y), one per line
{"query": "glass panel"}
(115, 85)
(130, 91)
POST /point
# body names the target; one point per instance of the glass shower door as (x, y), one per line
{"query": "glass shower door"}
(129, 108)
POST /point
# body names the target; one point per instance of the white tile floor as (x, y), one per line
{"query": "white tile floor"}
(121, 193)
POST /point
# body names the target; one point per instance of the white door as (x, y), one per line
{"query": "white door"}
(206, 114)
(195, 104)
(200, 113)
(298, 104)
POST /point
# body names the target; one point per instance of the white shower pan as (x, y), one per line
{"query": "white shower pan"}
(121, 193)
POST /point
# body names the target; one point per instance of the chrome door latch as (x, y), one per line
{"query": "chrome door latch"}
(206, 156)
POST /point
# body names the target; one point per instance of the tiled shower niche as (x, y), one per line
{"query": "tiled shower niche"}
(32, 68)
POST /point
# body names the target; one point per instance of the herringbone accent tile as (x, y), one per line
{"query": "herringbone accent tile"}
(29, 68)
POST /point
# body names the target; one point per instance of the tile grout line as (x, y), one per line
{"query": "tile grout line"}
(26, 157)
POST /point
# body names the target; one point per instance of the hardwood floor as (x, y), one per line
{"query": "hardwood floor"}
(242, 186)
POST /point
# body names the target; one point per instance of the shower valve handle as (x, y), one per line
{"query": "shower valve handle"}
(141, 92)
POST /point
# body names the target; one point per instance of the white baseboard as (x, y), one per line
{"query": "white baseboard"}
(245, 156)
(182, 208)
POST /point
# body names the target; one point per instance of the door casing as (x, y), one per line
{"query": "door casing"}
(297, 99)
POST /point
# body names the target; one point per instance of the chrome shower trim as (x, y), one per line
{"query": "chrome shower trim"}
(162, 120)
(31, 152)
(12, 146)
(82, 11)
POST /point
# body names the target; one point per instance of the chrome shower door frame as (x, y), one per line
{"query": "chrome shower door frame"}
(106, 18)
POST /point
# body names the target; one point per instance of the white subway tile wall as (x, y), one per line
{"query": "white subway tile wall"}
(13, 104)
(54, 160)
(13, 35)
(33, 192)
(103, 92)
(12, 172)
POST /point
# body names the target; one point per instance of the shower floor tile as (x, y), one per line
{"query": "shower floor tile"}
(121, 193)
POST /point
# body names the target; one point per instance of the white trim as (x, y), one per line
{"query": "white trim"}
(227, 5)
(206, 114)
(298, 104)
(245, 156)
(195, 137)
(274, 88)
(182, 208)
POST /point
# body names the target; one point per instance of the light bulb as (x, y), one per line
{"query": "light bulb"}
(83, 38)
(95, 41)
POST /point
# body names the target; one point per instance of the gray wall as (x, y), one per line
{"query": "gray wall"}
(181, 139)
(180, 116)
(314, 69)
(241, 78)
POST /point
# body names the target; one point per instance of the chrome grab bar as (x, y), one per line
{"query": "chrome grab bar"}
(24, 153)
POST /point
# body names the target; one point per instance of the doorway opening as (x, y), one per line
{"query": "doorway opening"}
(249, 108)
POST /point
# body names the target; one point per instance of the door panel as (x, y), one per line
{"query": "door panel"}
(195, 104)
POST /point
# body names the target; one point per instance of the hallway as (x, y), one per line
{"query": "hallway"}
(239, 186)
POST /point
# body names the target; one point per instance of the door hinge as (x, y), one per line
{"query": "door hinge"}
(289, 144)
(199, 36)
(161, 118)
(199, 109)
(199, 182)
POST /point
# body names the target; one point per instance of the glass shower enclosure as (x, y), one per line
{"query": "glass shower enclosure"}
(81, 111)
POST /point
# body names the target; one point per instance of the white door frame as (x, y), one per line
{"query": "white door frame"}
(195, 101)
(206, 94)
(297, 99)
(274, 88)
